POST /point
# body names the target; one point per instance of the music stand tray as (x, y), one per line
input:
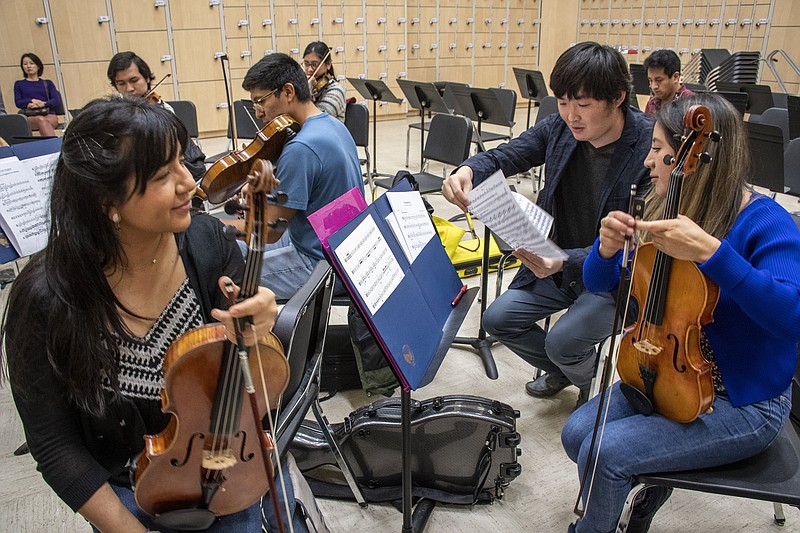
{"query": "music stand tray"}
(531, 86)
(422, 95)
(374, 90)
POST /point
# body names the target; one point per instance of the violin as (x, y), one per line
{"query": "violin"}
(228, 174)
(152, 96)
(316, 85)
(660, 360)
(213, 458)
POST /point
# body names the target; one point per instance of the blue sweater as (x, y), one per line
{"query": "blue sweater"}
(756, 324)
(25, 91)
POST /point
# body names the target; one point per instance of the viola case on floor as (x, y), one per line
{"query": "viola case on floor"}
(464, 451)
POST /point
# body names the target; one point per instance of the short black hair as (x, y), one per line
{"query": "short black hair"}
(321, 50)
(591, 70)
(123, 60)
(663, 59)
(33, 57)
(273, 71)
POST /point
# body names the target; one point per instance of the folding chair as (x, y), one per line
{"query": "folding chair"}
(448, 142)
(14, 128)
(187, 113)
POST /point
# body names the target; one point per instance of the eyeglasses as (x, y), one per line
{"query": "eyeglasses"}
(257, 102)
(313, 64)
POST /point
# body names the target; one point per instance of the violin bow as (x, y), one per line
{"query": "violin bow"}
(151, 91)
(324, 59)
(635, 206)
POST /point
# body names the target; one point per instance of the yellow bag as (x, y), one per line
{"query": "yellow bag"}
(467, 256)
(449, 233)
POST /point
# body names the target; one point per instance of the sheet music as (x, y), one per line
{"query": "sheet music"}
(369, 264)
(23, 214)
(42, 168)
(411, 220)
(515, 219)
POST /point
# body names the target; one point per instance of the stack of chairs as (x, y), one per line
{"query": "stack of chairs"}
(699, 67)
(740, 67)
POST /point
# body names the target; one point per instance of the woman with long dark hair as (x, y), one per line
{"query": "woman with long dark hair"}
(126, 271)
(749, 246)
(36, 97)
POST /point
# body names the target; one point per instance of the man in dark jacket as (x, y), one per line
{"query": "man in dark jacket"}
(593, 151)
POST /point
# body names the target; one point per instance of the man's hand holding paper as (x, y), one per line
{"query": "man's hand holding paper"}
(519, 222)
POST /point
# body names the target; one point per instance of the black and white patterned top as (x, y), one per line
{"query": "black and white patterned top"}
(708, 354)
(140, 362)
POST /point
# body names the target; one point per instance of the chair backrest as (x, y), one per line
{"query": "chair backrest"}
(187, 113)
(449, 139)
(791, 165)
(759, 98)
(793, 105)
(548, 106)
(246, 126)
(302, 322)
(12, 126)
(356, 119)
(75, 112)
(696, 87)
(766, 151)
(775, 116)
(641, 85)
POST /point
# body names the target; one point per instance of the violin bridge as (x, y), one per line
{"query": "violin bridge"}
(218, 460)
(646, 347)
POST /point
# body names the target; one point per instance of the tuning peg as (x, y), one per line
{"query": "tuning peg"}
(669, 160)
(704, 157)
(278, 197)
(233, 206)
(231, 233)
(715, 136)
(278, 225)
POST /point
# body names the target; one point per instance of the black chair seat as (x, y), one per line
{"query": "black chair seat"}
(773, 475)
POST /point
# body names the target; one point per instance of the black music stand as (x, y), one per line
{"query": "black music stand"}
(531, 86)
(423, 95)
(480, 105)
(375, 90)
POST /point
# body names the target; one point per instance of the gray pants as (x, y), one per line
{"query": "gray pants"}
(569, 346)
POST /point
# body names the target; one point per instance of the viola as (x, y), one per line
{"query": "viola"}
(660, 360)
(213, 458)
(316, 85)
(228, 174)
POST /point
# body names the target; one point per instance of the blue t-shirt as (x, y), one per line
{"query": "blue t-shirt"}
(317, 166)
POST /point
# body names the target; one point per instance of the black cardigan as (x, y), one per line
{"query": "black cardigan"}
(75, 452)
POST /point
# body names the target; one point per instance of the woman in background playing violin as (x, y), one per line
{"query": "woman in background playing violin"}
(749, 246)
(326, 93)
(126, 271)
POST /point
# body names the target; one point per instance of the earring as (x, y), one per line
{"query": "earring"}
(115, 219)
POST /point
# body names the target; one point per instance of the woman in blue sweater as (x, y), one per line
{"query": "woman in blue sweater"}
(749, 246)
(34, 94)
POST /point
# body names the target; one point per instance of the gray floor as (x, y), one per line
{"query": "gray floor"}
(541, 499)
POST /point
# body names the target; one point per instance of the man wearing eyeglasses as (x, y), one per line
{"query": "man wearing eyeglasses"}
(316, 166)
(131, 76)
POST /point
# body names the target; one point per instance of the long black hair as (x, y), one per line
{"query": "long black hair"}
(109, 153)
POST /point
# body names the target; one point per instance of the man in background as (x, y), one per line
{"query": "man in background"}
(664, 75)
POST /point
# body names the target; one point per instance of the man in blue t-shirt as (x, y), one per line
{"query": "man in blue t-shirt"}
(316, 166)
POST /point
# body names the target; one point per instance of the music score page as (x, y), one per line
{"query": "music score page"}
(514, 218)
(410, 222)
(370, 264)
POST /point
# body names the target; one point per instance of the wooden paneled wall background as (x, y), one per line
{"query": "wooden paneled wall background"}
(474, 41)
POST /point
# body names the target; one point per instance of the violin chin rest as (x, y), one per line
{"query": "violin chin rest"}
(637, 399)
(187, 519)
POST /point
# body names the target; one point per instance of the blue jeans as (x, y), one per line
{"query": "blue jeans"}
(568, 347)
(284, 269)
(636, 444)
(247, 521)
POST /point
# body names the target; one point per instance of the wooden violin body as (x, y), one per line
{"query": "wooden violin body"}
(667, 368)
(197, 462)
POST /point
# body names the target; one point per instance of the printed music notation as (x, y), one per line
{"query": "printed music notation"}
(410, 222)
(24, 199)
(514, 218)
(370, 264)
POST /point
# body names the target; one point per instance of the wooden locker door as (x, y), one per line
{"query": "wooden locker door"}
(237, 23)
(153, 47)
(85, 81)
(210, 100)
(89, 20)
(138, 15)
(193, 15)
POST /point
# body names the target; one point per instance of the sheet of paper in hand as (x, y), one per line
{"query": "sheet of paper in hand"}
(514, 218)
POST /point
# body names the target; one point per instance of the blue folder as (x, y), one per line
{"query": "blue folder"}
(411, 322)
